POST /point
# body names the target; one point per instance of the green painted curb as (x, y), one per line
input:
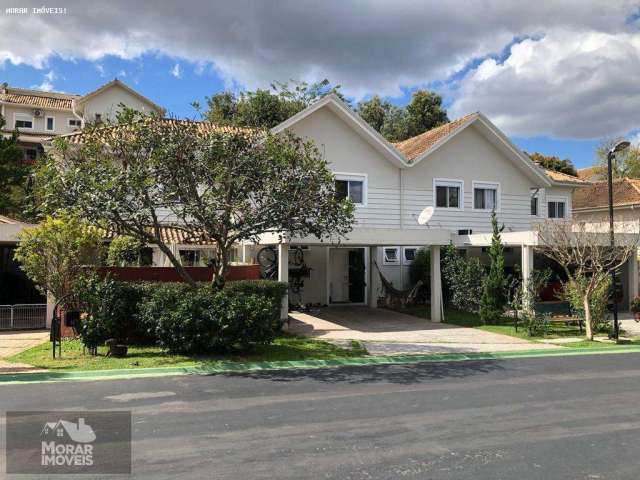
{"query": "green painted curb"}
(236, 367)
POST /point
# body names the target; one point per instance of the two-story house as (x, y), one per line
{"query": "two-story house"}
(38, 115)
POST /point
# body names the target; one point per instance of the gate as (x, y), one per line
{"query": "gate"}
(23, 316)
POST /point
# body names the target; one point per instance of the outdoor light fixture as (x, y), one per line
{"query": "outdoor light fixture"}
(618, 147)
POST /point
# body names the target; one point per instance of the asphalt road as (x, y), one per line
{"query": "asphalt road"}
(542, 418)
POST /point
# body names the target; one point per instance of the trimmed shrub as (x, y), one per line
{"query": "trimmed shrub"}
(180, 318)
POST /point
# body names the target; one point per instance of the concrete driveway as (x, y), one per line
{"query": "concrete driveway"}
(12, 343)
(388, 332)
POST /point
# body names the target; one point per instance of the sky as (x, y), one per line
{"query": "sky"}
(558, 77)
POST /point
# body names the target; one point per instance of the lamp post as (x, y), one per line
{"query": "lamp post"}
(618, 147)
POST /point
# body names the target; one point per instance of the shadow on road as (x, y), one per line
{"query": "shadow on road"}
(400, 374)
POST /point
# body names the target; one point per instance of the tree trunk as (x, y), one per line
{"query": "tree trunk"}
(587, 317)
(220, 267)
(176, 264)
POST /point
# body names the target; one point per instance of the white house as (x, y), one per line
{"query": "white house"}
(425, 192)
(39, 115)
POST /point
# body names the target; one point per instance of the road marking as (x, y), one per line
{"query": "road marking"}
(128, 397)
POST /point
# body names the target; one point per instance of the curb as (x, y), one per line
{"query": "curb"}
(237, 367)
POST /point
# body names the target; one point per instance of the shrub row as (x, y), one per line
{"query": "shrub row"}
(180, 318)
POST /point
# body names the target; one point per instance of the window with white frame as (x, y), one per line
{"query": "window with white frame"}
(485, 196)
(534, 203)
(74, 123)
(351, 186)
(409, 255)
(391, 255)
(448, 193)
(557, 208)
(23, 121)
(50, 124)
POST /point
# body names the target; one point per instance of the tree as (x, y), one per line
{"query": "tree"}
(424, 112)
(225, 185)
(626, 164)
(265, 108)
(124, 250)
(55, 253)
(553, 163)
(463, 279)
(583, 251)
(13, 173)
(374, 112)
(493, 292)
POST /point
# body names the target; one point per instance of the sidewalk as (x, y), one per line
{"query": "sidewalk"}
(12, 343)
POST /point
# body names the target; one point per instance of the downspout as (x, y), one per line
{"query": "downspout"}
(401, 228)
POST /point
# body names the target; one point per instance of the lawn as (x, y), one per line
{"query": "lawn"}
(506, 327)
(284, 348)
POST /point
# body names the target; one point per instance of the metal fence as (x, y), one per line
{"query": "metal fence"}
(23, 316)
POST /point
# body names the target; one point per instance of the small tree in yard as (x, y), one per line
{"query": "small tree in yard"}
(493, 293)
(586, 257)
(463, 278)
(221, 184)
(55, 253)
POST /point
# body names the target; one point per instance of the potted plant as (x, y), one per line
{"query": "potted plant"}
(635, 308)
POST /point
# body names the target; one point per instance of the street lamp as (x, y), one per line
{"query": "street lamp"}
(618, 147)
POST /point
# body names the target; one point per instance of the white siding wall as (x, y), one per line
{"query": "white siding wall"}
(60, 125)
(107, 104)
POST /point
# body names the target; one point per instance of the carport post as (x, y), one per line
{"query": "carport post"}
(436, 284)
(283, 276)
(374, 278)
(527, 267)
(633, 276)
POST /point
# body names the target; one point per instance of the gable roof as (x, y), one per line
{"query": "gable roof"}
(591, 174)
(117, 83)
(414, 147)
(36, 98)
(626, 192)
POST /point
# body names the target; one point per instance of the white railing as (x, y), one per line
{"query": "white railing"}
(23, 316)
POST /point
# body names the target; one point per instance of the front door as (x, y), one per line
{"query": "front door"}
(357, 284)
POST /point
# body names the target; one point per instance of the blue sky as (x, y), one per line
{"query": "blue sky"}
(557, 77)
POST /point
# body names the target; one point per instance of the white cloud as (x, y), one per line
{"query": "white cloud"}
(176, 71)
(384, 48)
(122, 74)
(47, 82)
(100, 69)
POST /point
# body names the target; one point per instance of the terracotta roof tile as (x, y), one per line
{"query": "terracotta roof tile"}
(33, 98)
(413, 147)
(591, 174)
(174, 234)
(626, 191)
(563, 177)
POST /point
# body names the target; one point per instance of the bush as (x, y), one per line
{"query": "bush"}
(419, 270)
(464, 280)
(600, 320)
(536, 325)
(181, 318)
(124, 251)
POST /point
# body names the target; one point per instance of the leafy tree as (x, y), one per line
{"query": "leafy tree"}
(626, 164)
(553, 163)
(124, 250)
(54, 253)
(493, 293)
(220, 185)
(396, 124)
(265, 108)
(374, 112)
(463, 279)
(424, 112)
(14, 172)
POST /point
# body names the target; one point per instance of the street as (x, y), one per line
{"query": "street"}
(574, 417)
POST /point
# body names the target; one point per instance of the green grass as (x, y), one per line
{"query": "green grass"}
(506, 327)
(284, 348)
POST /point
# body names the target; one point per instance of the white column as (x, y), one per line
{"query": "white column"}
(436, 284)
(51, 303)
(527, 268)
(283, 276)
(244, 252)
(633, 276)
(374, 278)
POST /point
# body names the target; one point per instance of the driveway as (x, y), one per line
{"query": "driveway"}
(12, 343)
(387, 332)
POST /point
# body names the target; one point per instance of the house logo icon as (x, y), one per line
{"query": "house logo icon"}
(77, 432)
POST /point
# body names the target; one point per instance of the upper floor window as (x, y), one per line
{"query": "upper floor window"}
(485, 196)
(557, 208)
(353, 187)
(74, 122)
(534, 206)
(50, 124)
(23, 121)
(448, 193)
(98, 117)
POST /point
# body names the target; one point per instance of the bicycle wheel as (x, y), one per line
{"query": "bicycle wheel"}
(267, 256)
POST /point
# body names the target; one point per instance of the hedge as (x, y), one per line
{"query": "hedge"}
(180, 318)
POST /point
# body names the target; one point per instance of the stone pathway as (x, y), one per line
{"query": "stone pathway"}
(12, 343)
(385, 332)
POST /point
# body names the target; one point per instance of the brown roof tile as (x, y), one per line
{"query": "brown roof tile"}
(34, 98)
(563, 177)
(626, 191)
(413, 147)
(174, 234)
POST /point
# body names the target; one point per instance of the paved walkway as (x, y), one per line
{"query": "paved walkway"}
(12, 343)
(385, 332)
